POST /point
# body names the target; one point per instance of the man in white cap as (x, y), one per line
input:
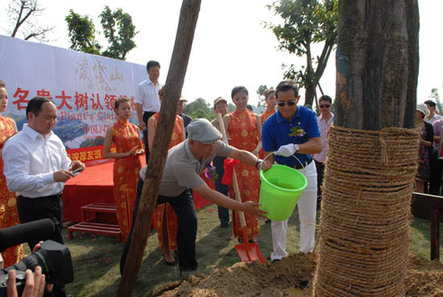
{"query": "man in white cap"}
(221, 107)
(184, 164)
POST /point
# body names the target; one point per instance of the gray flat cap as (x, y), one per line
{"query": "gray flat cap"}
(203, 131)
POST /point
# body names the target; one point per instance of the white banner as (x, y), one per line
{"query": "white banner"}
(82, 86)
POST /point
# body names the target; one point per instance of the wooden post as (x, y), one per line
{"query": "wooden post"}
(174, 84)
(435, 233)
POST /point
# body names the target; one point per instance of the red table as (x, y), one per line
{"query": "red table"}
(95, 184)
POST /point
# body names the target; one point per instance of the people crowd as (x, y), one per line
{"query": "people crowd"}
(34, 165)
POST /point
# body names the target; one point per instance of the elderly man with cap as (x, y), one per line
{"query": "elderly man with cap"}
(184, 164)
(221, 107)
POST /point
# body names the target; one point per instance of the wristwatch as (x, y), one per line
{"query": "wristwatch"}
(296, 147)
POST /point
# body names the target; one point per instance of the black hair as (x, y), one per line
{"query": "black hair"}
(286, 85)
(152, 64)
(35, 105)
(120, 100)
(249, 106)
(430, 103)
(325, 98)
(239, 89)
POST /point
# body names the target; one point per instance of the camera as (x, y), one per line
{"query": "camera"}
(55, 261)
(54, 258)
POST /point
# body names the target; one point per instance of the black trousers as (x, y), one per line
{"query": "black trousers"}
(320, 174)
(33, 209)
(146, 116)
(436, 172)
(223, 213)
(183, 205)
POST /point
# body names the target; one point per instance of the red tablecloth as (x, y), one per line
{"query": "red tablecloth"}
(95, 185)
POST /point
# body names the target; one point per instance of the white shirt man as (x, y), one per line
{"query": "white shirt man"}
(147, 100)
(36, 166)
(325, 120)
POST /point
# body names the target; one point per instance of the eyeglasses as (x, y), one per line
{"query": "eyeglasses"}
(289, 103)
(327, 106)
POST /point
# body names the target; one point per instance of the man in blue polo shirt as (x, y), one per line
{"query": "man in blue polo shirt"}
(293, 131)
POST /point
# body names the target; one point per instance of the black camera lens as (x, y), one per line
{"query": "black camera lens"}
(55, 261)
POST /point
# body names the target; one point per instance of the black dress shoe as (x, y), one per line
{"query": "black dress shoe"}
(224, 225)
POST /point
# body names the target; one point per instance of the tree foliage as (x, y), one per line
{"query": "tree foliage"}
(436, 96)
(117, 28)
(306, 22)
(199, 109)
(261, 94)
(23, 14)
(82, 33)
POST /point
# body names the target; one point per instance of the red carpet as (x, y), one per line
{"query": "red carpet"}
(95, 185)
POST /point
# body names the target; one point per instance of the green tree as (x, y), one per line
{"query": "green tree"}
(119, 30)
(82, 33)
(199, 109)
(117, 27)
(22, 14)
(306, 22)
(436, 96)
(261, 94)
(231, 107)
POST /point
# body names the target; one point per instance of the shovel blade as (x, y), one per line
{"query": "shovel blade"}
(249, 252)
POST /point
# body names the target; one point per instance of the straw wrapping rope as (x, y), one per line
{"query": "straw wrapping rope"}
(364, 225)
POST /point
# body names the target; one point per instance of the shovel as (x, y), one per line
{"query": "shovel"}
(247, 251)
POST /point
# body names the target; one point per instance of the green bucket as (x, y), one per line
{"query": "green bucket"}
(280, 189)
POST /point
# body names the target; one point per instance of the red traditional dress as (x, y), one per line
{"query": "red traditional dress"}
(126, 173)
(263, 117)
(165, 216)
(8, 199)
(244, 135)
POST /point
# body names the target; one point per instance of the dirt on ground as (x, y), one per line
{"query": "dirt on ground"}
(292, 276)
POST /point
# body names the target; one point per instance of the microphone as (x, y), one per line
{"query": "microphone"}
(31, 231)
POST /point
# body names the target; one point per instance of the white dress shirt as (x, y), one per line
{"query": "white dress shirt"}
(30, 161)
(146, 94)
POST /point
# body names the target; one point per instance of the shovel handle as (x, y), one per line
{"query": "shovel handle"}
(234, 180)
(241, 214)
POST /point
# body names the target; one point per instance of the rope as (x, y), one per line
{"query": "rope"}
(365, 217)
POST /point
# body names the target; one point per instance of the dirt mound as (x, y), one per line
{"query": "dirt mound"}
(292, 276)
(424, 277)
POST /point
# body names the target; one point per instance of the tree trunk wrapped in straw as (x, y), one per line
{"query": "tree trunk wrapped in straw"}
(364, 229)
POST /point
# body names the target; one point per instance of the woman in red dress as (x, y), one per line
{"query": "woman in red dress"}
(8, 199)
(127, 165)
(165, 216)
(270, 105)
(244, 129)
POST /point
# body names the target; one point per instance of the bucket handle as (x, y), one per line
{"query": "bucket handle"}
(273, 153)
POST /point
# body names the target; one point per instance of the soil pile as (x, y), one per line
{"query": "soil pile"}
(292, 276)
(424, 277)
